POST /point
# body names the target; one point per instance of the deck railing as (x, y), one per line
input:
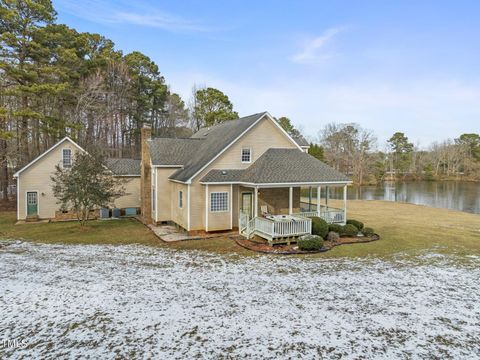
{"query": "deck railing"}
(264, 226)
(294, 227)
(272, 229)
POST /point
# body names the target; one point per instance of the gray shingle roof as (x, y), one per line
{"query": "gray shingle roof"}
(280, 166)
(300, 140)
(171, 151)
(214, 140)
(123, 166)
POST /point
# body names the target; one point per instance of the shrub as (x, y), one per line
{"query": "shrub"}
(349, 230)
(319, 227)
(356, 223)
(368, 231)
(310, 242)
(333, 236)
(335, 228)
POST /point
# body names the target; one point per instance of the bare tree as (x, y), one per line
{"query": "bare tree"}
(348, 148)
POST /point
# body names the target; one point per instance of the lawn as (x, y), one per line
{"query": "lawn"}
(139, 302)
(404, 228)
(412, 294)
(116, 232)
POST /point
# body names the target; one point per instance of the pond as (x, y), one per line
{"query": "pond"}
(456, 195)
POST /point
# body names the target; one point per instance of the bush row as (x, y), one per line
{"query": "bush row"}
(321, 228)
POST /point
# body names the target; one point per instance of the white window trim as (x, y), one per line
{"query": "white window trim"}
(227, 202)
(63, 158)
(241, 155)
(180, 199)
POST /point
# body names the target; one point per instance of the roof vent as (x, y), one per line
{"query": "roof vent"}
(224, 172)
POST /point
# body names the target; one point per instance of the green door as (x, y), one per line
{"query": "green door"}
(32, 203)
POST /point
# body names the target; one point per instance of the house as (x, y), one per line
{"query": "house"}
(35, 198)
(245, 174)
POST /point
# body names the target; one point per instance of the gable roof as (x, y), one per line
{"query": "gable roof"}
(216, 140)
(123, 167)
(66, 138)
(171, 151)
(278, 166)
(300, 140)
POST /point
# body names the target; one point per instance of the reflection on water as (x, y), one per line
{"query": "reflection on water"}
(457, 195)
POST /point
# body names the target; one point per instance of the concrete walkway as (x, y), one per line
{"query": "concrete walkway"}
(170, 233)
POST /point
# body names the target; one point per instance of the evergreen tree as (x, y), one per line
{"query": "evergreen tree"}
(212, 107)
(19, 22)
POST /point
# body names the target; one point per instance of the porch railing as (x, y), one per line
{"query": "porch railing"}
(306, 214)
(329, 214)
(274, 229)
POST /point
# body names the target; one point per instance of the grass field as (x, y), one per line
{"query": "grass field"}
(116, 232)
(404, 228)
(412, 294)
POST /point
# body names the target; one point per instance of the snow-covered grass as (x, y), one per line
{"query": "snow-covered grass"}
(144, 302)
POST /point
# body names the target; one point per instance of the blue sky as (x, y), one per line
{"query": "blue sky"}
(411, 66)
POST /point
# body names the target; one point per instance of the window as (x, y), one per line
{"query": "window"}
(180, 199)
(219, 201)
(246, 155)
(67, 158)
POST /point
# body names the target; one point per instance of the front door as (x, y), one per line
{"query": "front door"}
(247, 204)
(32, 203)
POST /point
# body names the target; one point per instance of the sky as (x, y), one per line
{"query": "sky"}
(409, 66)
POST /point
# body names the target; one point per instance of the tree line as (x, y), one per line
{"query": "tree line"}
(57, 82)
(354, 151)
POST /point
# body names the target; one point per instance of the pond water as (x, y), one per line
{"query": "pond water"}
(456, 195)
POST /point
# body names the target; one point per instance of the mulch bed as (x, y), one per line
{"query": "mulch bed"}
(263, 247)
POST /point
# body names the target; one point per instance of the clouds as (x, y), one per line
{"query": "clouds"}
(313, 50)
(158, 20)
(131, 13)
(429, 109)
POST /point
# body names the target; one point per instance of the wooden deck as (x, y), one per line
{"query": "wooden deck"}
(275, 229)
(280, 229)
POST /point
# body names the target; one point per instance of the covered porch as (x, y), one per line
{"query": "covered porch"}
(269, 191)
(280, 214)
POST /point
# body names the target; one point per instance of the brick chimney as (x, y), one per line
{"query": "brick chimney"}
(146, 175)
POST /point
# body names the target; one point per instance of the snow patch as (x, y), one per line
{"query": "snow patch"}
(143, 302)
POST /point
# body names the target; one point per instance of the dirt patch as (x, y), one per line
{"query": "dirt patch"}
(293, 248)
(8, 205)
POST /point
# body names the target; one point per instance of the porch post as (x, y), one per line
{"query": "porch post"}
(256, 202)
(345, 203)
(231, 206)
(327, 196)
(290, 200)
(206, 208)
(319, 190)
(309, 199)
